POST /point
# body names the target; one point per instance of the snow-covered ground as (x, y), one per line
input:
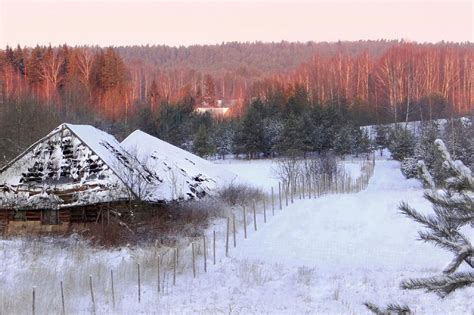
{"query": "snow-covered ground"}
(318, 256)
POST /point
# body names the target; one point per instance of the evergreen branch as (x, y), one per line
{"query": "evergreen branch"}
(428, 221)
(389, 310)
(441, 285)
(440, 241)
(463, 255)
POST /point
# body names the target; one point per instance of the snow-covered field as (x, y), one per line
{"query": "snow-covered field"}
(318, 256)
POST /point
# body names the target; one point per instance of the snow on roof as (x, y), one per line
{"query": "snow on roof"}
(186, 174)
(83, 162)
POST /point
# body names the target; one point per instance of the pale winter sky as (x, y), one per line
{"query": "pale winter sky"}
(186, 22)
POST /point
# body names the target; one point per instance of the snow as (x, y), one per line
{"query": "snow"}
(318, 256)
(170, 173)
(184, 174)
(255, 173)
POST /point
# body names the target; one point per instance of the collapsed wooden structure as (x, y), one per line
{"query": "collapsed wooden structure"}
(76, 174)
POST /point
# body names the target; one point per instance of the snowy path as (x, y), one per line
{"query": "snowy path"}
(349, 231)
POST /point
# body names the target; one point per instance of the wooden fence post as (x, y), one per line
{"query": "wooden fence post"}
(273, 204)
(139, 284)
(214, 247)
(63, 308)
(175, 252)
(174, 266)
(159, 274)
(194, 260)
(33, 309)
(264, 212)
(245, 224)
(254, 217)
(205, 252)
(112, 287)
(234, 230)
(227, 238)
(92, 294)
(279, 193)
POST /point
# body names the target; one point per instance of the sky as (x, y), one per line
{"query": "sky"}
(189, 22)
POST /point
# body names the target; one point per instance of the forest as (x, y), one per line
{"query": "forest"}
(278, 90)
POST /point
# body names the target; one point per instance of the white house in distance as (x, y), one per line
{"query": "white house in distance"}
(220, 110)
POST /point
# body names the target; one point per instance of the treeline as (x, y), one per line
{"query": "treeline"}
(384, 81)
(279, 125)
(412, 145)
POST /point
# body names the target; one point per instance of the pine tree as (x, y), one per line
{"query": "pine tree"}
(202, 145)
(342, 141)
(294, 141)
(402, 143)
(453, 214)
(381, 137)
(447, 228)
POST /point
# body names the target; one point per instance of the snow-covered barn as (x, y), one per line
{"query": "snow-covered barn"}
(76, 171)
(185, 175)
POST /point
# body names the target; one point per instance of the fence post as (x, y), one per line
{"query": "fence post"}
(279, 193)
(92, 294)
(33, 309)
(264, 212)
(174, 265)
(234, 230)
(112, 287)
(273, 204)
(254, 217)
(194, 260)
(205, 252)
(62, 300)
(214, 247)
(139, 284)
(245, 223)
(227, 238)
(159, 274)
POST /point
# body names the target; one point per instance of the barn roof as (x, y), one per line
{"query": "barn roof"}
(62, 161)
(188, 175)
